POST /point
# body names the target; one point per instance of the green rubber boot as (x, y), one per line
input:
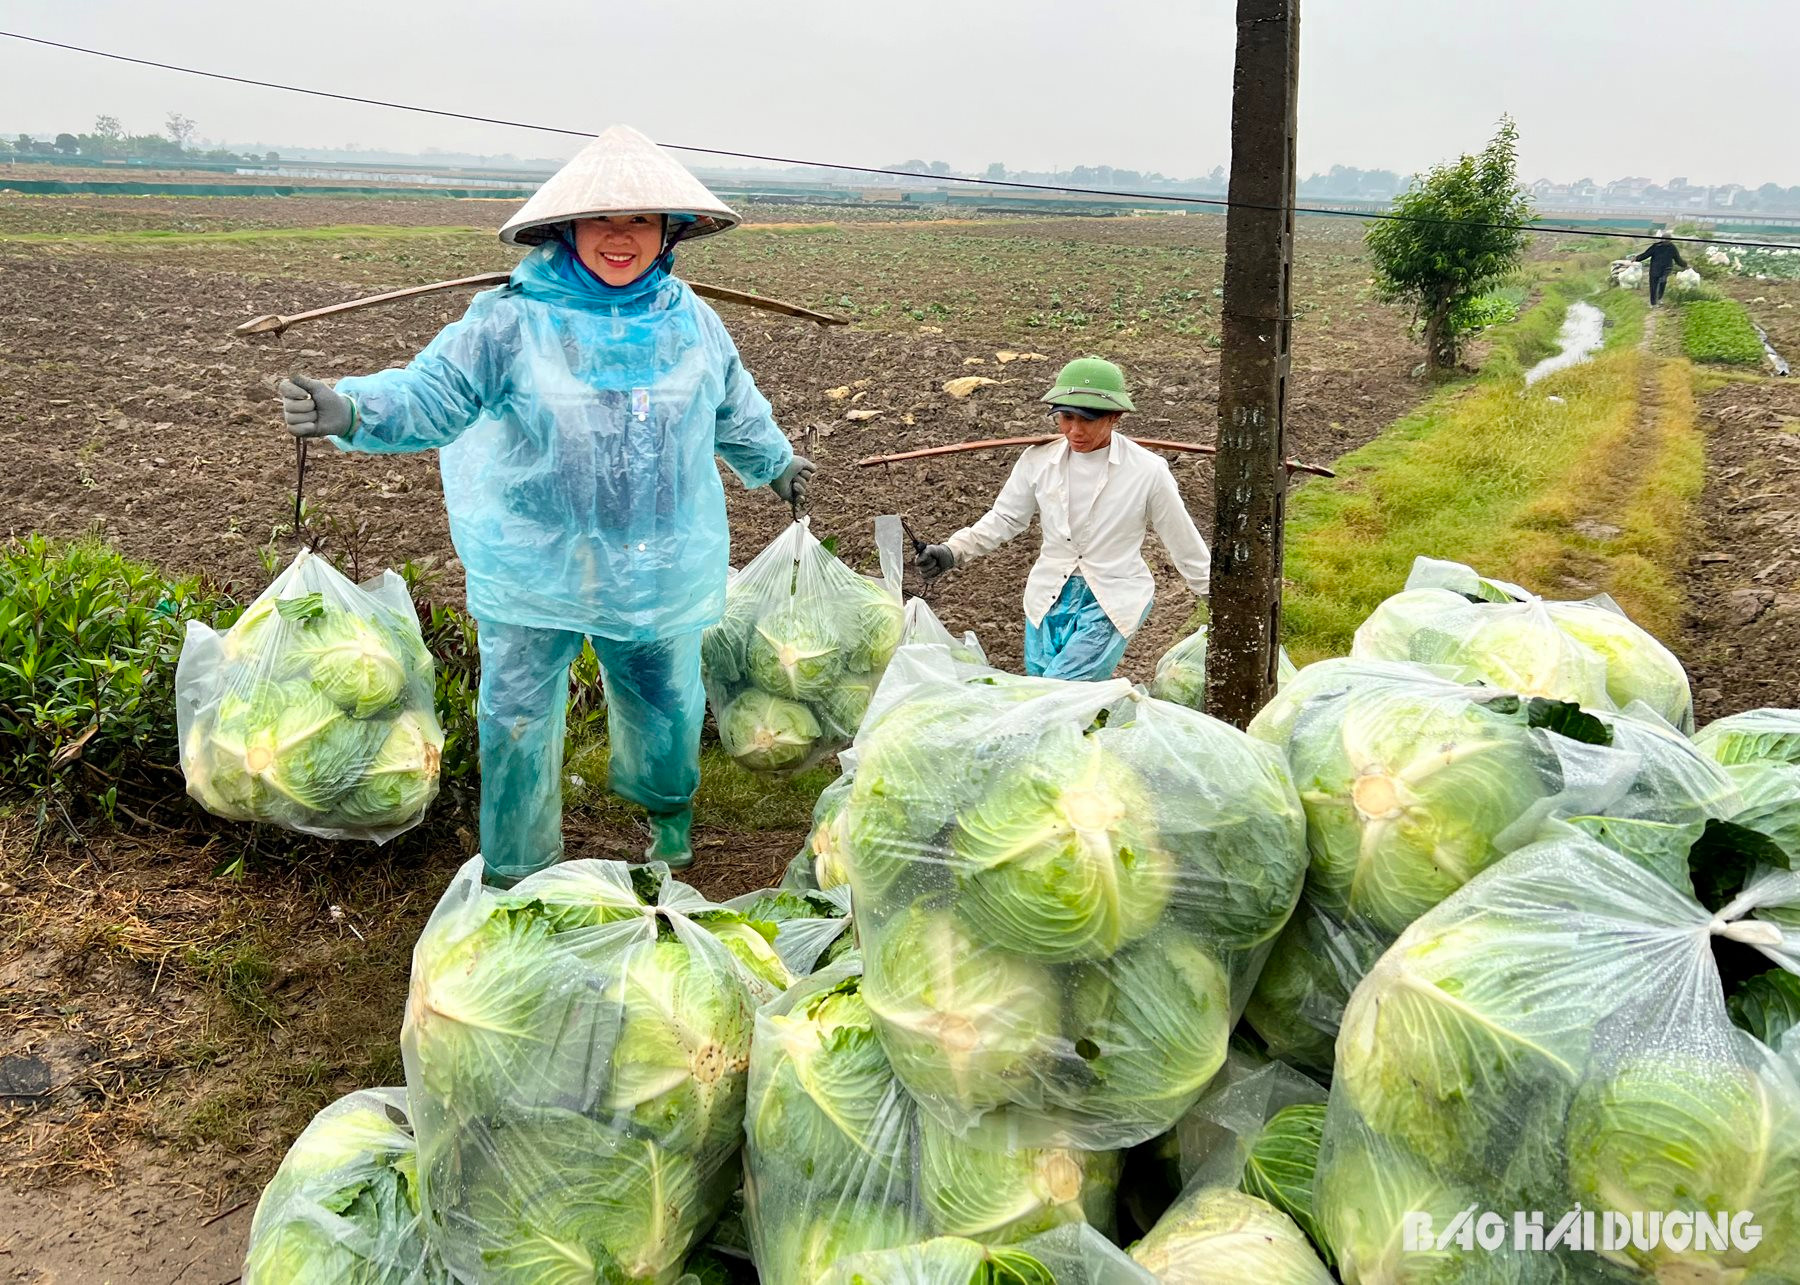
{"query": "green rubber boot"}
(670, 842)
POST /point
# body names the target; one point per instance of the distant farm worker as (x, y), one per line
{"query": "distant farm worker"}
(1096, 493)
(577, 411)
(1664, 258)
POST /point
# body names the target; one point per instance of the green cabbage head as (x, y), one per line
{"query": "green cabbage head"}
(1216, 1236)
(796, 653)
(807, 1245)
(551, 1195)
(350, 659)
(966, 1027)
(1638, 667)
(985, 1186)
(873, 625)
(1151, 1025)
(1467, 1039)
(1686, 1133)
(401, 779)
(682, 1051)
(848, 700)
(1060, 859)
(1406, 792)
(825, 1110)
(280, 750)
(767, 733)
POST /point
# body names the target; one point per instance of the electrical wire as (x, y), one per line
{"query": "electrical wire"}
(1223, 203)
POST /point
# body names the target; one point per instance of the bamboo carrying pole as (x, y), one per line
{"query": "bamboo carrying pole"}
(274, 325)
(998, 443)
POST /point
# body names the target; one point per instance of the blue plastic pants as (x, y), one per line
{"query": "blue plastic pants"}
(654, 707)
(1076, 641)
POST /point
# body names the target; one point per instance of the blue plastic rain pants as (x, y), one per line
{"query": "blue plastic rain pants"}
(654, 707)
(576, 426)
(1075, 640)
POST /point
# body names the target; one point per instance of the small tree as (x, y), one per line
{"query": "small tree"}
(66, 144)
(996, 171)
(179, 129)
(1457, 234)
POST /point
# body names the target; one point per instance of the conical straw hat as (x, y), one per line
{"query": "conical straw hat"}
(620, 172)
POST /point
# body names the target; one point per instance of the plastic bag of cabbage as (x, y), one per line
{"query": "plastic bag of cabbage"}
(1413, 783)
(819, 865)
(1587, 652)
(577, 1049)
(314, 711)
(791, 666)
(1063, 892)
(839, 1160)
(1556, 1037)
(344, 1205)
(1181, 671)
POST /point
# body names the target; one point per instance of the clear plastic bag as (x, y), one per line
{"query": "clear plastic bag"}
(1760, 749)
(315, 710)
(923, 626)
(577, 1049)
(1556, 1038)
(1063, 894)
(792, 665)
(344, 1205)
(838, 1159)
(1587, 652)
(1181, 671)
(1413, 784)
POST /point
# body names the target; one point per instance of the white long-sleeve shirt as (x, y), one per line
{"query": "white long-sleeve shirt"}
(1104, 545)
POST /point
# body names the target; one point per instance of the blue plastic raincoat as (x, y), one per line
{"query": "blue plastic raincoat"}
(576, 425)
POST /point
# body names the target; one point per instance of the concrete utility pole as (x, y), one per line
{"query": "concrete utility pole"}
(1250, 483)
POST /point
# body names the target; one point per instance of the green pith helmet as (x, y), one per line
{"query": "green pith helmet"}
(1092, 383)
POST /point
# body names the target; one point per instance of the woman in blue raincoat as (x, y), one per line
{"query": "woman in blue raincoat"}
(576, 412)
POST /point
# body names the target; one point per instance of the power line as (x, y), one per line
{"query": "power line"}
(1211, 202)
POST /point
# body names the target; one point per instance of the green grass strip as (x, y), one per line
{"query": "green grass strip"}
(1477, 475)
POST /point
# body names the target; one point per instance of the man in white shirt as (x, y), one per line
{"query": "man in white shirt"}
(1097, 494)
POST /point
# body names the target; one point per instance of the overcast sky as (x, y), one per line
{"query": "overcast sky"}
(1601, 88)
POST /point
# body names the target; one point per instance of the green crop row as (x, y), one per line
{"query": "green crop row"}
(1719, 331)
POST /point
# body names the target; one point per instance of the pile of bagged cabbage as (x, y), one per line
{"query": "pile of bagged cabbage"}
(315, 710)
(1072, 984)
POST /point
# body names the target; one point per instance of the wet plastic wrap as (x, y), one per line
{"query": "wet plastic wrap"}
(1760, 750)
(1412, 784)
(1556, 1038)
(839, 1160)
(923, 626)
(791, 667)
(315, 710)
(1220, 1236)
(577, 1049)
(344, 1205)
(1063, 893)
(1068, 1256)
(1181, 671)
(1587, 652)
